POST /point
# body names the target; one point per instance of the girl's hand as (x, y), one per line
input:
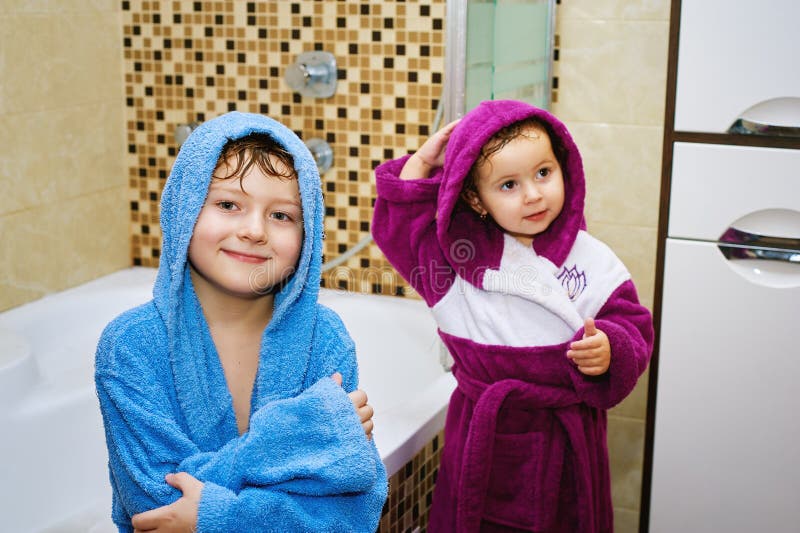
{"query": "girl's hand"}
(429, 156)
(363, 409)
(178, 517)
(592, 354)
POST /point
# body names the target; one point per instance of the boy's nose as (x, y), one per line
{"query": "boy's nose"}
(254, 228)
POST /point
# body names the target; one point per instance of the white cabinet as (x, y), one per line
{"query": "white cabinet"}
(723, 427)
(734, 55)
(726, 424)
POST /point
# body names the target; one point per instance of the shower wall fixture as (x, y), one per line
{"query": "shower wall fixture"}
(313, 74)
(182, 132)
(322, 153)
(320, 150)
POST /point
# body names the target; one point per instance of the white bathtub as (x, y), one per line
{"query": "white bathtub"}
(53, 474)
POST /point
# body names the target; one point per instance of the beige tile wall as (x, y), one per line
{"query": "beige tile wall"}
(63, 207)
(611, 91)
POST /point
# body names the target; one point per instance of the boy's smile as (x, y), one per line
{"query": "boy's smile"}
(521, 186)
(248, 235)
(246, 258)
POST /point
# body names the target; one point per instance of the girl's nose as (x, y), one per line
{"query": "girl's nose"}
(532, 193)
(253, 228)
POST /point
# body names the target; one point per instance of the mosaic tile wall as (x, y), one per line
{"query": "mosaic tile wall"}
(410, 491)
(187, 61)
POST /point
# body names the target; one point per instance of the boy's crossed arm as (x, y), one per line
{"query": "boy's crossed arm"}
(181, 515)
(273, 455)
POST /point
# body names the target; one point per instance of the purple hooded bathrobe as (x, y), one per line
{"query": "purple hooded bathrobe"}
(525, 437)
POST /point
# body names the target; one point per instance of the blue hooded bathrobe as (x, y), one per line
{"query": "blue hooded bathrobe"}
(305, 464)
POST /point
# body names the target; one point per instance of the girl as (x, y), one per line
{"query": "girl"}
(542, 320)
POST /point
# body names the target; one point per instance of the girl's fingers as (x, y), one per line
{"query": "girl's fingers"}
(584, 359)
(449, 127)
(589, 328)
(592, 370)
(583, 353)
(585, 344)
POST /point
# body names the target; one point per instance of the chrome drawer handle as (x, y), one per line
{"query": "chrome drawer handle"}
(738, 244)
(743, 252)
(774, 117)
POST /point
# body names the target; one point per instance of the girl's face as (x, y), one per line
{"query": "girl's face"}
(521, 186)
(248, 236)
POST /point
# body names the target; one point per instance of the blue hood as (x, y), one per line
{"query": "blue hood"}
(286, 346)
(187, 187)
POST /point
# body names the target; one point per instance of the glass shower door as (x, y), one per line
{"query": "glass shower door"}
(505, 51)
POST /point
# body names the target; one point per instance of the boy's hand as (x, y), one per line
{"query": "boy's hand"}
(363, 409)
(592, 354)
(429, 156)
(178, 517)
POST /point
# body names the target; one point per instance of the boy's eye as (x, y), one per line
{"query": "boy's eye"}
(226, 205)
(281, 216)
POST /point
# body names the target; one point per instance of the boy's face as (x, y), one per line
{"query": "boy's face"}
(521, 186)
(249, 234)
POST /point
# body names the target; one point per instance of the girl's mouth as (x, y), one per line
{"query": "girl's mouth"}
(536, 217)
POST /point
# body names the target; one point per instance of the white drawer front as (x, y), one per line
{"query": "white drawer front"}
(714, 185)
(733, 55)
(726, 428)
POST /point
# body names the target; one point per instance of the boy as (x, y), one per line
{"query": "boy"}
(225, 376)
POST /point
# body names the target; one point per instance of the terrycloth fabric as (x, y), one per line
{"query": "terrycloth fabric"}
(525, 436)
(305, 463)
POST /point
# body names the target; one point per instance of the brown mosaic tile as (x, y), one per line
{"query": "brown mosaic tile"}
(187, 61)
(411, 490)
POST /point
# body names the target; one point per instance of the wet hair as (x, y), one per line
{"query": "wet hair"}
(504, 136)
(256, 149)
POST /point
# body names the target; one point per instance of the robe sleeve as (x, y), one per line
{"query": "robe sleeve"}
(404, 228)
(222, 511)
(629, 327)
(311, 445)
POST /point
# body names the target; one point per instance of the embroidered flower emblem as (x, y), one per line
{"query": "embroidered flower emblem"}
(573, 281)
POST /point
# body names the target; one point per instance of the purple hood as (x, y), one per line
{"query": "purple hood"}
(472, 245)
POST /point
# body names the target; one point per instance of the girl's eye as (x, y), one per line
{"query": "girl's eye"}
(507, 186)
(544, 172)
(281, 216)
